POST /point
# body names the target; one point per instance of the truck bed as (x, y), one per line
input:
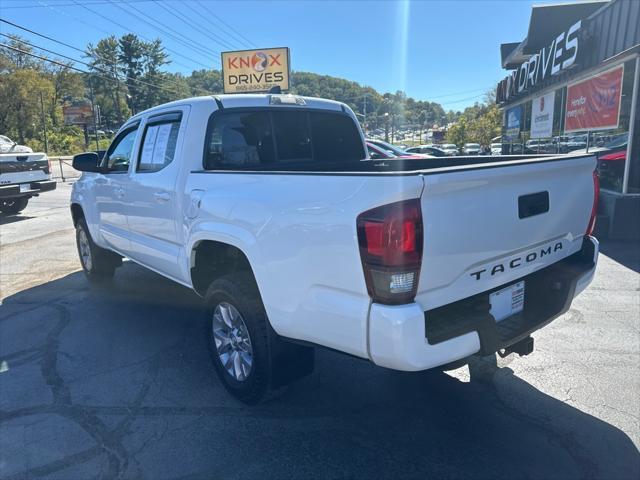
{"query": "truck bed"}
(399, 166)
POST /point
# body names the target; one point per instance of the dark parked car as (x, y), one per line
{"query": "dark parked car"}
(428, 150)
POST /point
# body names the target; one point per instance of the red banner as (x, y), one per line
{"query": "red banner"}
(594, 104)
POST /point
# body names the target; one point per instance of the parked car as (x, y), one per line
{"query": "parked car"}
(542, 145)
(376, 153)
(496, 149)
(294, 241)
(471, 149)
(9, 146)
(427, 150)
(23, 175)
(450, 149)
(392, 148)
(518, 149)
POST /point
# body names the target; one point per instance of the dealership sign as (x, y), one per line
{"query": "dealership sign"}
(80, 113)
(255, 70)
(594, 104)
(514, 117)
(542, 115)
(559, 55)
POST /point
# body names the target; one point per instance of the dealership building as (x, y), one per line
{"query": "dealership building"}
(573, 86)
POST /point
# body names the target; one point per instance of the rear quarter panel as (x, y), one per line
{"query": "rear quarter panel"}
(299, 234)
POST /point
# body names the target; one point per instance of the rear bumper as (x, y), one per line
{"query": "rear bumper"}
(13, 191)
(404, 337)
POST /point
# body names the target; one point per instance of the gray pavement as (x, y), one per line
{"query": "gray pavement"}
(115, 382)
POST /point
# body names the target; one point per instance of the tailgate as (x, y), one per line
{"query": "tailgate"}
(23, 167)
(25, 162)
(486, 227)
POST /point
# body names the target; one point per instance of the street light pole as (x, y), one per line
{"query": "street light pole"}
(44, 126)
(386, 126)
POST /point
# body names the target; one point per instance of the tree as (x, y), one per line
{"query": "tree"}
(457, 133)
(131, 63)
(205, 82)
(66, 84)
(20, 99)
(154, 57)
(104, 60)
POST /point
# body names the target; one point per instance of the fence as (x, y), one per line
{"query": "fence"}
(61, 169)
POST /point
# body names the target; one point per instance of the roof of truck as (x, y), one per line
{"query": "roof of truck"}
(247, 100)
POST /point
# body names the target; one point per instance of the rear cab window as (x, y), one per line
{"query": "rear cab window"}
(251, 139)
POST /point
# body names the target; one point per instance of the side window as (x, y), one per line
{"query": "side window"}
(119, 154)
(239, 139)
(158, 145)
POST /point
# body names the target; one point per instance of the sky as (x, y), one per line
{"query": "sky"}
(436, 50)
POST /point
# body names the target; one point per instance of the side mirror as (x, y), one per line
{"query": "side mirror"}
(86, 162)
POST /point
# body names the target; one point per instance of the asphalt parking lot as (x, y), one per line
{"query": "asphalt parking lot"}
(115, 382)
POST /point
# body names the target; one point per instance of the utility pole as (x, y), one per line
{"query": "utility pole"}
(93, 111)
(44, 126)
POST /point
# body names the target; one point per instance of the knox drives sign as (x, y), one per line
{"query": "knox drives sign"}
(260, 70)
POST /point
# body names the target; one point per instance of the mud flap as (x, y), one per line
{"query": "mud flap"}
(289, 361)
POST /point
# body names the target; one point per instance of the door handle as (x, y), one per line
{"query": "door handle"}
(162, 196)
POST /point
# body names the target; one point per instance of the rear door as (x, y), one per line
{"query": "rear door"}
(153, 204)
(487, 227)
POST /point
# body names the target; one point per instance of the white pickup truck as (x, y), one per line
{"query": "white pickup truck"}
(23, 174)
(268, 207)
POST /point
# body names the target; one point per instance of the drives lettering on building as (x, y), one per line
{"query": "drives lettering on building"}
(255, 70)
(559, 55)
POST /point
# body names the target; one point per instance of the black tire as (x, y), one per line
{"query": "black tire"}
(14, 205)
(240, 291)
(98, 264)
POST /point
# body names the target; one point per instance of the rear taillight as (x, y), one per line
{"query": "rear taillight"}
(48, 172)
(594, 209)
(390, 239)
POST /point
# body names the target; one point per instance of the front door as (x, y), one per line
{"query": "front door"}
(111, 190)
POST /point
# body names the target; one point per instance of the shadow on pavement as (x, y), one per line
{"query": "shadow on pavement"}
(625, 252)
(116, 382)
(7, 219)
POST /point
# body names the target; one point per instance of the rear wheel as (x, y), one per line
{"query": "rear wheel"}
(98, 264)
(13, 205)
(237, 336)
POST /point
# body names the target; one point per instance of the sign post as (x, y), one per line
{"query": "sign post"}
(255, 71)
